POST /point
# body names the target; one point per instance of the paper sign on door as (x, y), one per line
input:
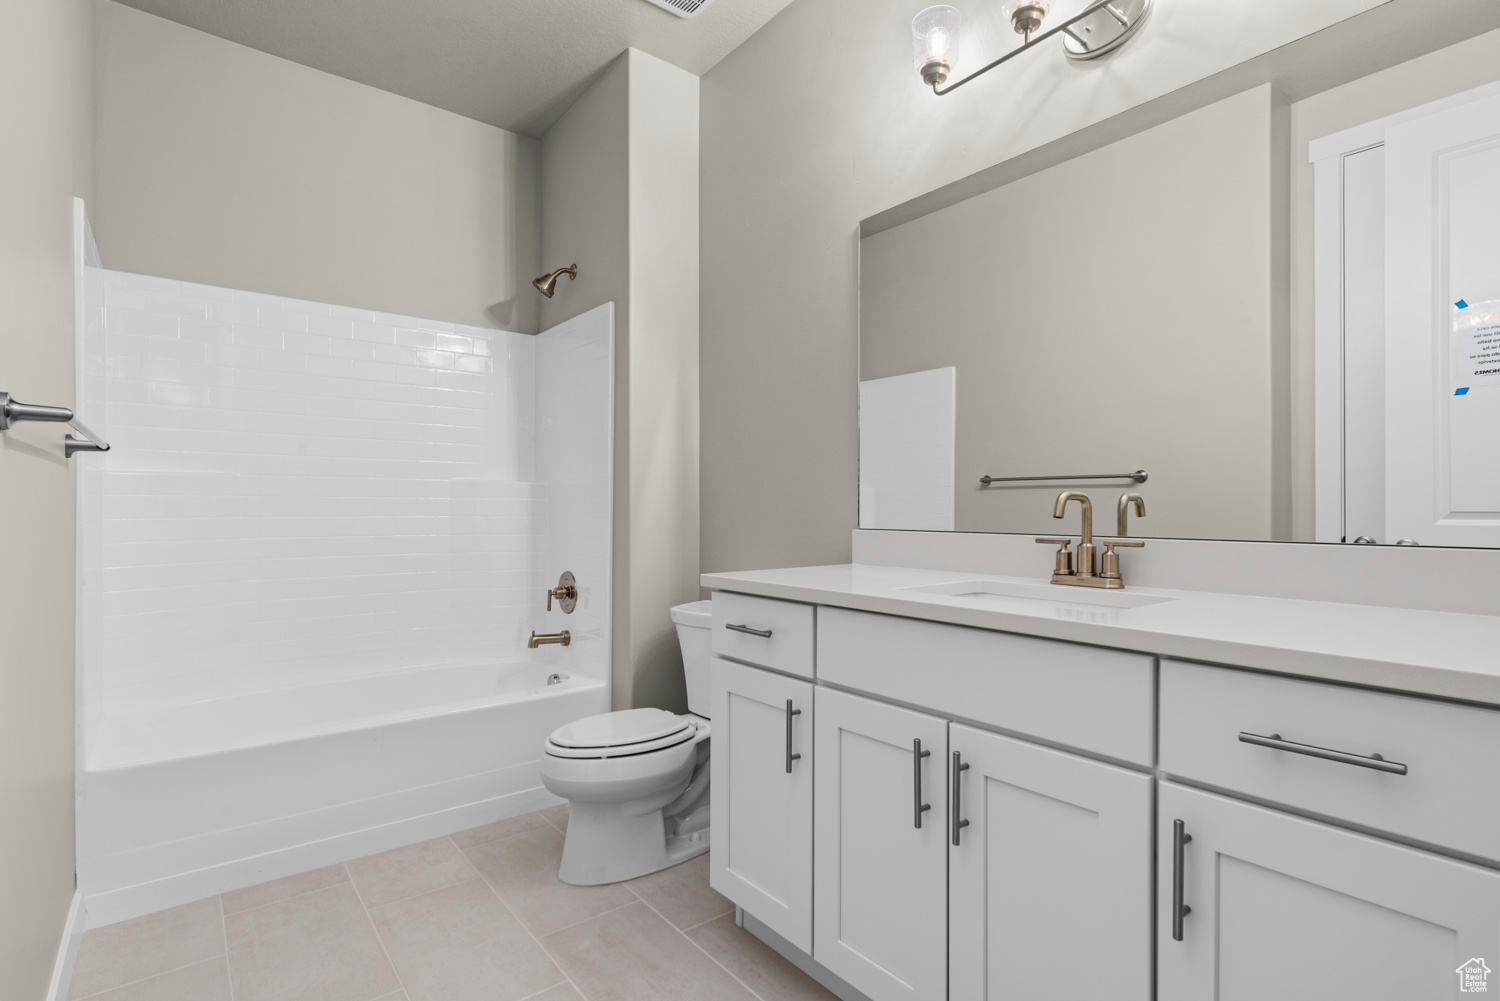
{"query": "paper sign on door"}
(1476, 345)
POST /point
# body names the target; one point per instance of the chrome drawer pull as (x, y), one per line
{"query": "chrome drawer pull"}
(1180, 910)
(762, 633)
(917, 806)
(1275, 742)
(790, 757)
(958, 823)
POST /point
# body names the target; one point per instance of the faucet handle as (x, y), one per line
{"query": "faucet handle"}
(1111, 568)
(1064, 564)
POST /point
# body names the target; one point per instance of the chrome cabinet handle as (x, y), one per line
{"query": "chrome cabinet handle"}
(1275, 742)
(959, 767)
(790, 757)
(762, 633)
(917, 806)
(1180, 838)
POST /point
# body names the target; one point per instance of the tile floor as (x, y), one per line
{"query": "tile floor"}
(479, 915)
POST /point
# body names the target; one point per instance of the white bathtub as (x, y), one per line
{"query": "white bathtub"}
(182, 803)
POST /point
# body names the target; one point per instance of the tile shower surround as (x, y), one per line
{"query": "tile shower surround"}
(300, 492)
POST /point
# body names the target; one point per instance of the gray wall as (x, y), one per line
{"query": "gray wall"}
(1112, 312)
(221, 164)
(620, 199)
(45, 95)
(819, 121)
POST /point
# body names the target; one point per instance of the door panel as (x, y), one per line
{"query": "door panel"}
(1364, 345)
(761, 813)
(1295, 910)
(1055, 864)
(1443, 274)
(881, 921)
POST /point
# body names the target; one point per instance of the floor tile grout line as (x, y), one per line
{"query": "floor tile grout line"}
(548, 819)
(376, 932)
(224, 928)
(534, 938)
(142, 980)
(591, 917)
(705, 952)
(700, 924)
(282, 900)
(504, 837)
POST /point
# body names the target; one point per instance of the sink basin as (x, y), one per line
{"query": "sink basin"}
(1053, 594)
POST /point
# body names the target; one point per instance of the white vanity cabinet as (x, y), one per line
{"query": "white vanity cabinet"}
(1049, 873)
(761, 808)
(998, 815)
(1295, 910)
(880, 855)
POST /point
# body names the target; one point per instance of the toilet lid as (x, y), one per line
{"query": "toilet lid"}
(617, 729)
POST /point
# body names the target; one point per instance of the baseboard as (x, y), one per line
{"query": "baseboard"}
(111, 906)
(836, 985)
(67, 951)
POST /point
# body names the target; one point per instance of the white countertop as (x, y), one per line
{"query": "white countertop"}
(1443, 654)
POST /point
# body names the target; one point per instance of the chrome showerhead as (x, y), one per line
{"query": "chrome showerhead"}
(547, 284)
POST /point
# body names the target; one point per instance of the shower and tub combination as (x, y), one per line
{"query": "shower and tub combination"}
(308, 570)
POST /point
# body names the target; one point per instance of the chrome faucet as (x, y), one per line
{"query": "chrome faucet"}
(1086, 545)
(1087, 574)
(539, 639)
(1122, 513)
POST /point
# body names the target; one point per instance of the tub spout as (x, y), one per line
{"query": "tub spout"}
(537, 639)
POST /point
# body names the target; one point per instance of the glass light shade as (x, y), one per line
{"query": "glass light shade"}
(1025, 15)
(934, 42)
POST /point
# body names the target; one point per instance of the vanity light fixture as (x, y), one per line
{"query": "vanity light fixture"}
(1101, 26)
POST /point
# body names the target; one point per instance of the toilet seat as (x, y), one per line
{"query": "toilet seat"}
(621, 734)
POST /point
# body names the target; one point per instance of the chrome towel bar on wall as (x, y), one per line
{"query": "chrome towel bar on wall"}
(12, 411)
(1139, 476)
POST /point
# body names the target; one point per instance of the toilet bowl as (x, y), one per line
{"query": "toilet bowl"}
(637, 780)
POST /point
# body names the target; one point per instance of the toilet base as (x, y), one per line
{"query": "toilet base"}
(605, 845)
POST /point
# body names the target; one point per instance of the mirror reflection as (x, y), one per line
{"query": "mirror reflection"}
(1233, 325)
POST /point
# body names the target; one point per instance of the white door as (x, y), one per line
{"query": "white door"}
(1364, 346)
(1287, 909)
(880, 859)
(761, 809)
(1443, 327)
(1051, 875)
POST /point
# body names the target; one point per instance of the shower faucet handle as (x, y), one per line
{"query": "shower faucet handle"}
(566, 593)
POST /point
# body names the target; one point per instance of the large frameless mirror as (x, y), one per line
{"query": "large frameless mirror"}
(1235, 324)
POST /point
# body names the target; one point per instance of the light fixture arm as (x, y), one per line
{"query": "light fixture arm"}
(1033, 40)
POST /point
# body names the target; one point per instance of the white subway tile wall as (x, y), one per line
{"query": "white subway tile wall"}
(300, 492)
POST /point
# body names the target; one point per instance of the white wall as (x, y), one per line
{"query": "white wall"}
(45, 105)
(228, 166)
(299, 492)
(620, 198)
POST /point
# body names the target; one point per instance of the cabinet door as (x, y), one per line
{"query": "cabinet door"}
(1294, 910)
(880, 861)
(761, 806)
(1053, 869)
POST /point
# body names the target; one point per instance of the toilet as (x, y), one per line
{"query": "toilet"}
(637, 780)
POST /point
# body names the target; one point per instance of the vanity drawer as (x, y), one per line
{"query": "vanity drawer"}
(1083, 697)
(764, 631)
(1451, 752)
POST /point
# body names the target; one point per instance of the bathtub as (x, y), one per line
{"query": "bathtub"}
(176, 804)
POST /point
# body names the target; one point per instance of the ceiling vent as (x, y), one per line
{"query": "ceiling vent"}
(682, 8)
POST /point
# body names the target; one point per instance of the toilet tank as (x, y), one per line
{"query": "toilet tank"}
(694, 628)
